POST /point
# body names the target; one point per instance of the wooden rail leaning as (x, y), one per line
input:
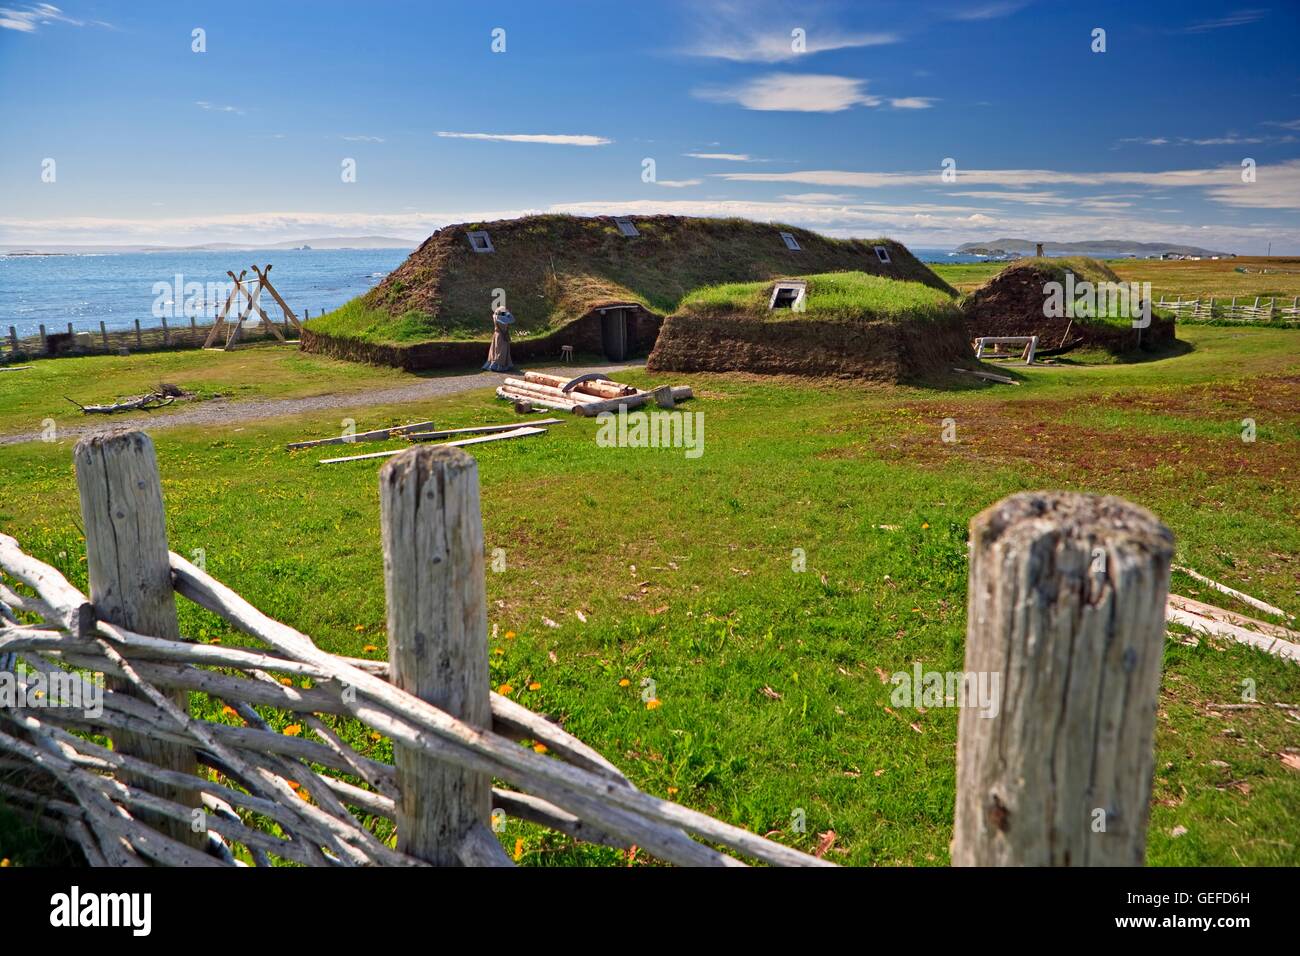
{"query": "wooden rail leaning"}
(142, 801)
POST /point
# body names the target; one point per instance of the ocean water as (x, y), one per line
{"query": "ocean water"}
(118, 288)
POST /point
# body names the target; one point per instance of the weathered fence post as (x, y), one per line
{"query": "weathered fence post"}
(103, 332)
(167, 333)
(130, 580)
(432, 532)
(139, 342)
(45, 342)
(13, 338)
(1067, 606)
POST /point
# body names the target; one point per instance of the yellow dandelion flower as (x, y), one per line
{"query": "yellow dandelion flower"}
(505, 689)
(293, 730)
(229, 711)
(653, 704)
(375, 735)
(286, 682)
(360, 627)
(624, 682)
(370, 648)
(510, 635)
(534, 686)
(540, 748)
(672, 791)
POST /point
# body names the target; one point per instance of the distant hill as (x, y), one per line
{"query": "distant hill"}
(329, 242)
(1092, 247)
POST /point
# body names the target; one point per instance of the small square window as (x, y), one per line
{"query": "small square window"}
(788, 295)
(882, 254)
(481, 242)
(626, 226)
(790, 241)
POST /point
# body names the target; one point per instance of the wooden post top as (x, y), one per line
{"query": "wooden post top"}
(1102, 519)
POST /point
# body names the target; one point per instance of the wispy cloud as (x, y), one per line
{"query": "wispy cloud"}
(725, 157)
(217, 108)
(364, 139)
(795, 92)
(552, 139)
(818, 197)
(990, 11)
(728, 44)
(677, 183)
(27, 18)
(913, 102)
(1285, 124)
(1235, 19)
(1228, 139)
(1276, 186)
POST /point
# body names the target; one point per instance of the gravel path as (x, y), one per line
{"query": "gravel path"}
(225, 412)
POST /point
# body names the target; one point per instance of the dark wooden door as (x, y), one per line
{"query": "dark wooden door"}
(613, 334)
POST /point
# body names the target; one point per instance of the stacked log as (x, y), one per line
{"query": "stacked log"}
(585, 396)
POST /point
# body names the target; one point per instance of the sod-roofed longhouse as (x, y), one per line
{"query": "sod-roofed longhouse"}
(600, 284)
(847, 324)
(1034, 296)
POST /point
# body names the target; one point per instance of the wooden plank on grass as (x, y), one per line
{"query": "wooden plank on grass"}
(988, 375)
(499, 436)
(481, 429)
(1233, 592)
(379, 434)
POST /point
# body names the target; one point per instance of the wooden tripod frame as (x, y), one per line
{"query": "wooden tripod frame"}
(250, 292)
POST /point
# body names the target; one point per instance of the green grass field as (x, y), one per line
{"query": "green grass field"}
(770, 678)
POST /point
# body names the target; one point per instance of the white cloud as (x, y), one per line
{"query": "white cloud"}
(726, 43)
(913, 102)
(796, 92)
(215, 108)
(818, 197)
(990, 11)
(364, 139)
(27, 18)
(552, 139)
(725, 157)
(1277, 186)
(677, 183)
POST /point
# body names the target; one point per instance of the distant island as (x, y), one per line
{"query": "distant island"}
(1092, 247)
(307, 245)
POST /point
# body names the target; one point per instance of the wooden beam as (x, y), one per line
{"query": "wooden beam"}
(517, 433)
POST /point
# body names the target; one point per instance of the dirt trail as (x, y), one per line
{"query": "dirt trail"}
(226, 412)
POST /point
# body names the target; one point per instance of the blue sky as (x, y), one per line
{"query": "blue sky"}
(154, 142)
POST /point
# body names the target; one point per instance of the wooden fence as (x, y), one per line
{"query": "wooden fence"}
(1067, 597)
(1223, 308)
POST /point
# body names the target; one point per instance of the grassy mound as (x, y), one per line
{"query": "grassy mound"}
(556, 269)
(835, 296)
(853, 325)
(1015, 301)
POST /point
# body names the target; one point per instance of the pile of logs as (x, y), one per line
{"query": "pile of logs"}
(587, 395)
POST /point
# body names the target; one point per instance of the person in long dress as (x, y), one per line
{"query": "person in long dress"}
(498, 359)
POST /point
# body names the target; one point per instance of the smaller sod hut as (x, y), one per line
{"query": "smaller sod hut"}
(842, 324)
(1031, 297)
